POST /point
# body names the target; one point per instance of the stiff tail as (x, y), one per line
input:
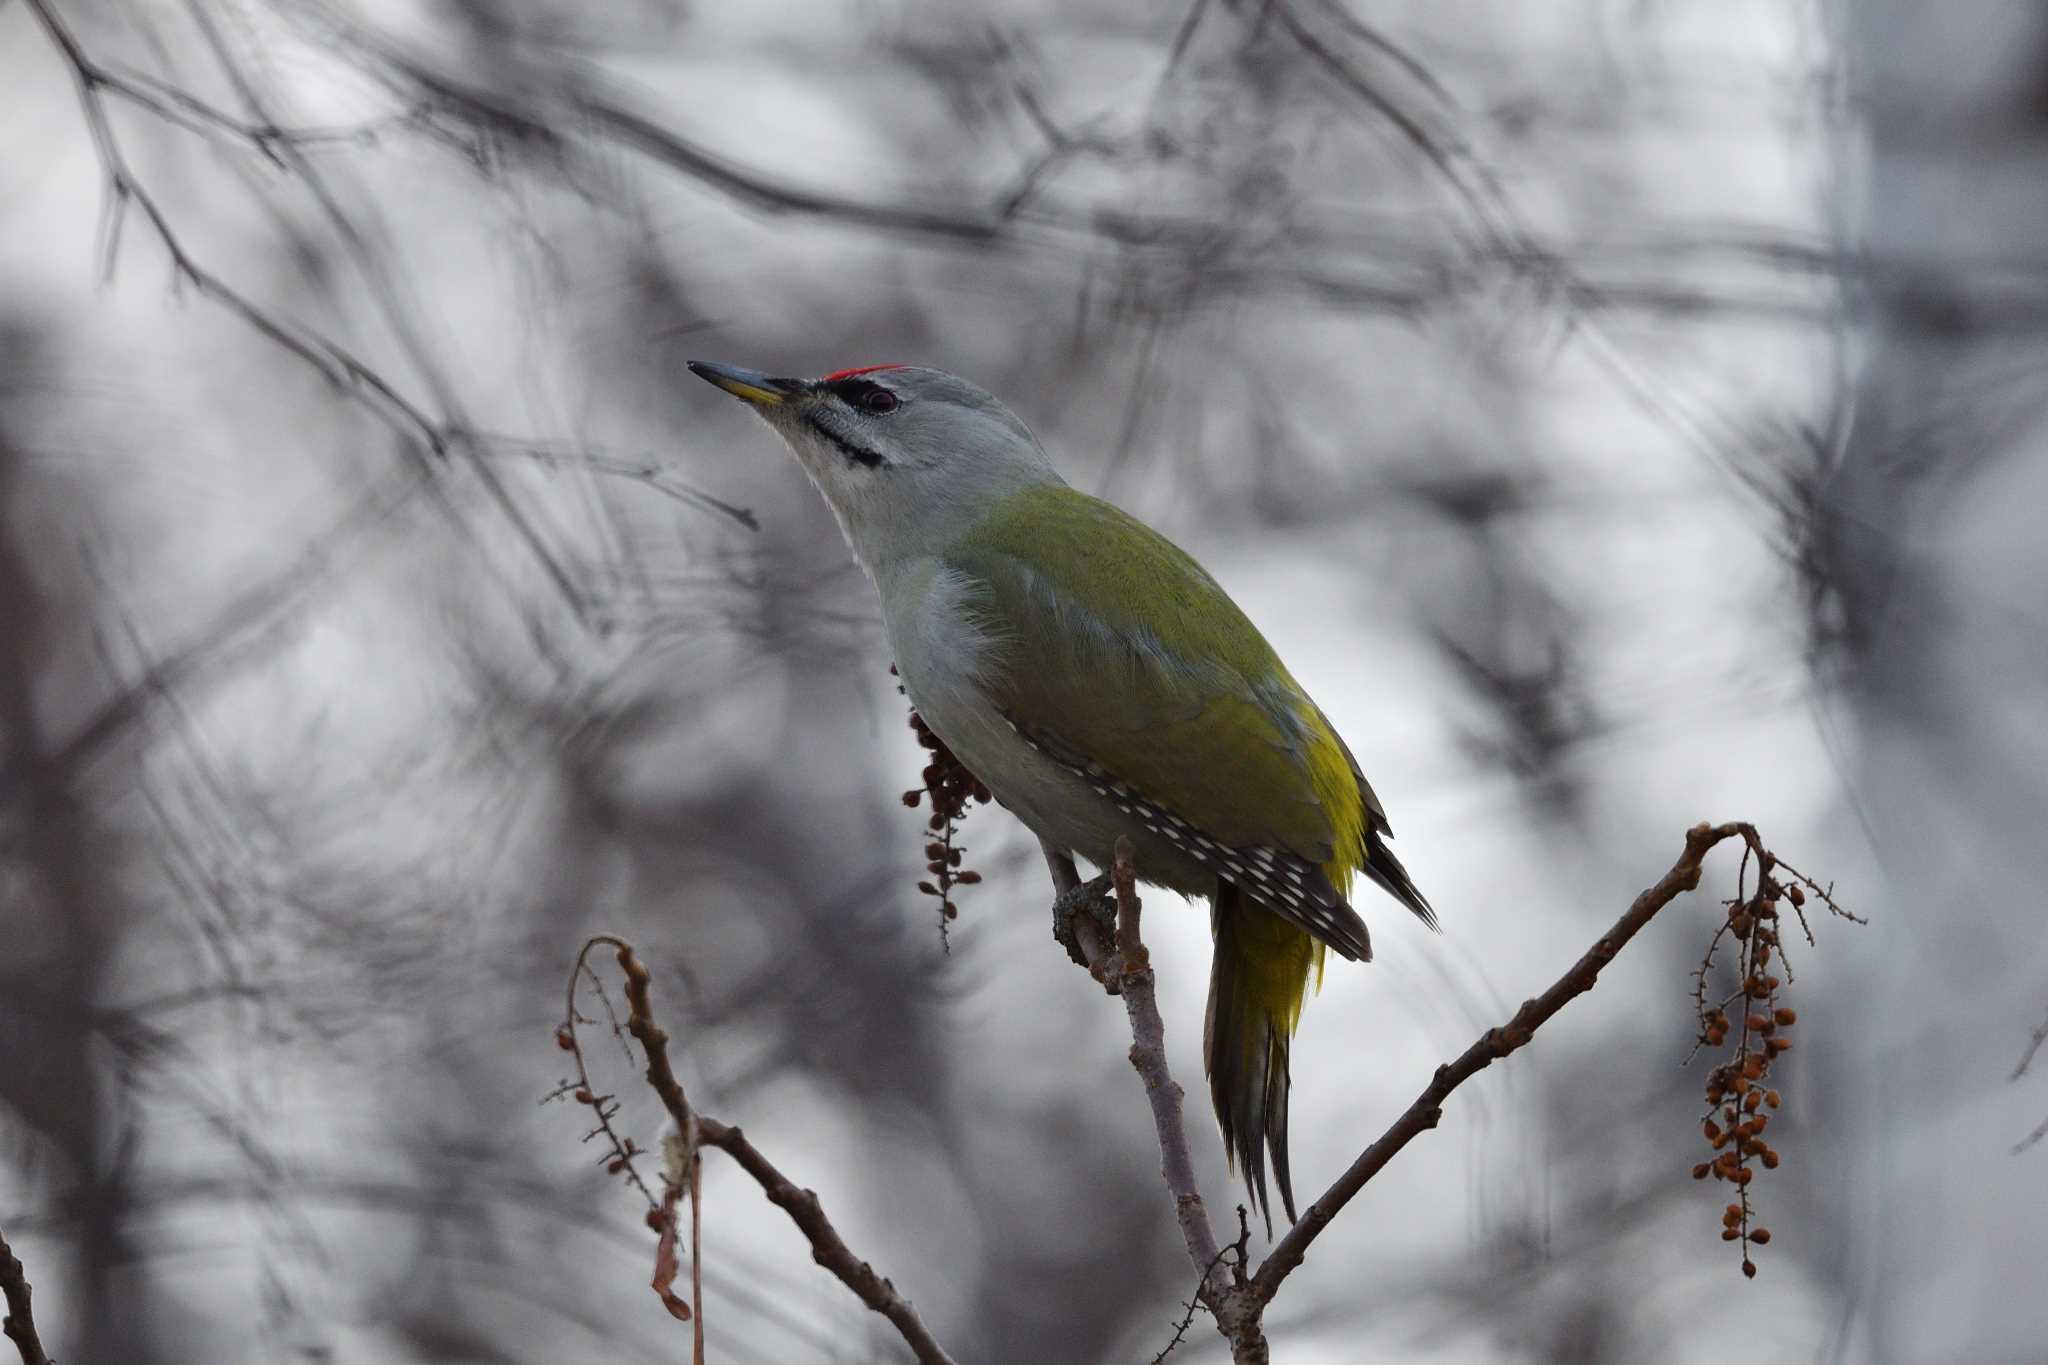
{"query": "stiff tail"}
(1256, 984)
(1384, 868)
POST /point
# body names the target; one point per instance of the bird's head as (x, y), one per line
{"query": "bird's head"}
(909, 458)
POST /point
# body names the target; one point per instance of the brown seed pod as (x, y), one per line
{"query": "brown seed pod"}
(1786, 1017)
(1772, 1098)
(1761, 1236)
(1749, 1268)
(1795, 895)
(1699, 1172)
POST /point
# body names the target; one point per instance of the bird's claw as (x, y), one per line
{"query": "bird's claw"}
(1094, 899)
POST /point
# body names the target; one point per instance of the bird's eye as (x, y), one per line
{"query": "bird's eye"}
(878, 401)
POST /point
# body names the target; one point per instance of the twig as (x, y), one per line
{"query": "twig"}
(654, 475)
(1148, 1058)
(20, 1323)
(2033, 1046)
(347, 373)
(1238, 1303)
(1238, 1254)
(337, 365)
(828, 1248)
(619, 1160)
(1427, 1110)
(1126, 966)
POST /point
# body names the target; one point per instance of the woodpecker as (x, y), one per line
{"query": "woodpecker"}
(1101, 684)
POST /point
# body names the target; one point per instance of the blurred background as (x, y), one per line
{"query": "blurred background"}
(1619, 415)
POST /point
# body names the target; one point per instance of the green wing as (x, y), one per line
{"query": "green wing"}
(1137, 661)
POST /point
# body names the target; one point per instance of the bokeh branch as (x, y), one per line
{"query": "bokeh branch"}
(828, 1248)
(339, 366)
(20, 1324)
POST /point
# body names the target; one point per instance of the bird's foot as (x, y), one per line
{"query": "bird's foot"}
(1097, 901)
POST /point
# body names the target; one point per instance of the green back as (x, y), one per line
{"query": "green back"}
(1136, 660)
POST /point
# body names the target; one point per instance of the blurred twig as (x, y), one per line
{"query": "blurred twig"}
(20, 1323)
(348, 373)
(2034, 1045)
(828, 1248)
(334, 362)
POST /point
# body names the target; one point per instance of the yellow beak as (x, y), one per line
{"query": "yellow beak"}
(759, 389)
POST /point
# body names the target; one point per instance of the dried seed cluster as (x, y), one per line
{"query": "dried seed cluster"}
(1741, 1101)
(950, 787)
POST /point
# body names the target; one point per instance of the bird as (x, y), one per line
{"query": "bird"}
(1102, 685)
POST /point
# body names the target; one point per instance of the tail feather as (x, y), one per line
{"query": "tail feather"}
(1385, 869)
(1256, 983)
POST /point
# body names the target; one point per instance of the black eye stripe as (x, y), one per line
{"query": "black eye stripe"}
(858, 454)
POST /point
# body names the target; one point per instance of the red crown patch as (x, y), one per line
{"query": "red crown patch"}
(858, 369)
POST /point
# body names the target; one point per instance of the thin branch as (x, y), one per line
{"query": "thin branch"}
(619, 1158)
(334, 363)
(828, 1248)
(383, 294)
(1238, 1302)
(180, 107)
(1427, 1110)
(1148, 1058)
(1125, 968)
(655, 476)
(20, 1323)
(2034, 1045)
(340, 367)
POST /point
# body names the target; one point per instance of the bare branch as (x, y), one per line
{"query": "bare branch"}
(1148, 1058)
(1237, 1302)
(340, 367)
(828, 1248)
(2033, 1047)
(1127, 967)
(1427, 1110)
(657, 477)
(20, 1324)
